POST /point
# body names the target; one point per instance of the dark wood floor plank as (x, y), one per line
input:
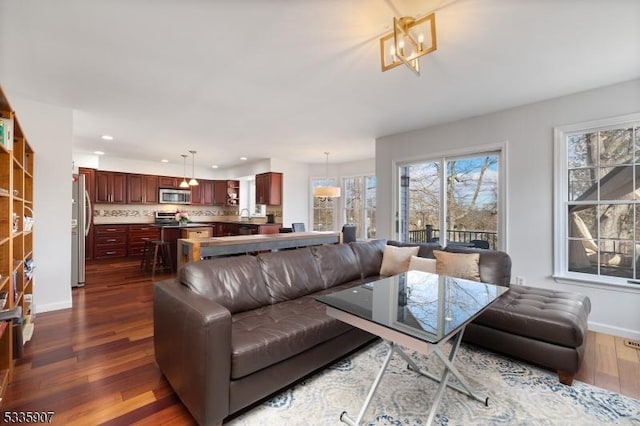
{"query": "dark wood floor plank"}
(94, 364)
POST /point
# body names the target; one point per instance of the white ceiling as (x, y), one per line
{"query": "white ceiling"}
(292, 79)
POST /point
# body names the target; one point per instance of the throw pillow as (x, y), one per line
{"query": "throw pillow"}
(422, 264)
(459, 265)
(395, 260)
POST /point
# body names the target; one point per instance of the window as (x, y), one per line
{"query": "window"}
(597, 234)
(452, 200)
(324, 209)
(359, 195)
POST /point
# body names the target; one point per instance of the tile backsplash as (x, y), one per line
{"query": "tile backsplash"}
(135, 213)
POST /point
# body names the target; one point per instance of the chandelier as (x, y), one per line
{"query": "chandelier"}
(411, 38)
(326, 191)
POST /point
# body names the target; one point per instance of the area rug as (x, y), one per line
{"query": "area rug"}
(519, 394)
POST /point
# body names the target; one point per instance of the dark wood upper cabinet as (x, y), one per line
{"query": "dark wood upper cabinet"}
(151, 189)
(219, 192)
(111, 187)
(168, 182)
(207, 192)
(142, 189)
(269, 188)
(196, 193)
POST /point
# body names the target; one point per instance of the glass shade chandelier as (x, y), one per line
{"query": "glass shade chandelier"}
(326, 191)
(184, 183)
(411, 38)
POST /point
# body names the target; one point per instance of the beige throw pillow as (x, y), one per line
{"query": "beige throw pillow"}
(459, 265)
(395, 260)
(423, 264)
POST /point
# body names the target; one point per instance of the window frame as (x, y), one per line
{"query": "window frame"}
(561, 270)
(337, 206)
(499, 148)
(361, 233)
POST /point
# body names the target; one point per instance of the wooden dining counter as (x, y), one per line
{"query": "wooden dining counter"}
(193, 250)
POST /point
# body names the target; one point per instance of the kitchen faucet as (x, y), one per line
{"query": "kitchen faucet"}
(248, 216)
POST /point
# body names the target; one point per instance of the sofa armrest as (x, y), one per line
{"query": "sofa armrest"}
(192, 338)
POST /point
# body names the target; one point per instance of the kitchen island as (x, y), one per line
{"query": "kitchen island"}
(193, 250)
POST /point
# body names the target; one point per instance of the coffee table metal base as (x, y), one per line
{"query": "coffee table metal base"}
(443, 379)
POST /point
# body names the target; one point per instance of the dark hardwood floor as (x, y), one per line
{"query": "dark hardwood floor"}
(94, 364)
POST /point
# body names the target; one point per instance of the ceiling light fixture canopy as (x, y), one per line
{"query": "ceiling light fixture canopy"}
(193, 181)
(411, 38)
(184, 183)
(326, 191)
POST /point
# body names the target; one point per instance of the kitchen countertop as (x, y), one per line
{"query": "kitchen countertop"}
(200, 224)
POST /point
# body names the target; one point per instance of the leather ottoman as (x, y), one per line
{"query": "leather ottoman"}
(539, 325)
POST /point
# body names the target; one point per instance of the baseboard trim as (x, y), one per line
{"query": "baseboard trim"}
(615, 331)
(53, 307)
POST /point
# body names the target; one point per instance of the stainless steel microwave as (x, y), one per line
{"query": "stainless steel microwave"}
(174, 196)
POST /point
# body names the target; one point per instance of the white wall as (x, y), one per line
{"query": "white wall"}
(528, 133)
(295, 190)
(48, 129)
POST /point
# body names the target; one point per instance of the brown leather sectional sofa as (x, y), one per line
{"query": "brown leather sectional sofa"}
(231, 331)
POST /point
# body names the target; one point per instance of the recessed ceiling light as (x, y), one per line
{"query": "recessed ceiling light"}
(107, 137)
(98, 152)
(243, 158)
(164, 160)
(215, 166)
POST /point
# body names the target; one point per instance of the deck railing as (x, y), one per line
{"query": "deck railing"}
(430, 234)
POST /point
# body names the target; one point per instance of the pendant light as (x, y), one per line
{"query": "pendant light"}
(326, 191)
(193, 181)
(184, 183)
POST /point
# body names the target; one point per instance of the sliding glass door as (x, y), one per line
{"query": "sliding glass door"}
(451, 200)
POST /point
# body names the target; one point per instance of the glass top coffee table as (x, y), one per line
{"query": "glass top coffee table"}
(418, 311)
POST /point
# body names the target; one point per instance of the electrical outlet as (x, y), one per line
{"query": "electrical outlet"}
(520, 280)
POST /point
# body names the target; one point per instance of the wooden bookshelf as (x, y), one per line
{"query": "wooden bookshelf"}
(16, 242)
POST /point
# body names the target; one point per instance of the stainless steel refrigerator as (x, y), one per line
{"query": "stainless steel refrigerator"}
(80, 223)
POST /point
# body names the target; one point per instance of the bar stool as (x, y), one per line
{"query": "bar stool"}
(156, 257)
(146, 252)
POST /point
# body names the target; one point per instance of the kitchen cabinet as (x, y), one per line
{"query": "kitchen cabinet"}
(111, 187)
(203, 193)
(233, 192)
(269, 188)
(142, 189)
(269, 228)
(110, 241)
(219, 192)
(227, 229)
(137, 236)
(169, 182)
(197, 232)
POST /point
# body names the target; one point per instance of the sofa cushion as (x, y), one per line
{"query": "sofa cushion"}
(290, 274)
(369, 255)
(337, 264)
(422, 264)
(460, 265)
(234, 282)
(395, 260)
(540, 314)
(274, 333)
(495, 265)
